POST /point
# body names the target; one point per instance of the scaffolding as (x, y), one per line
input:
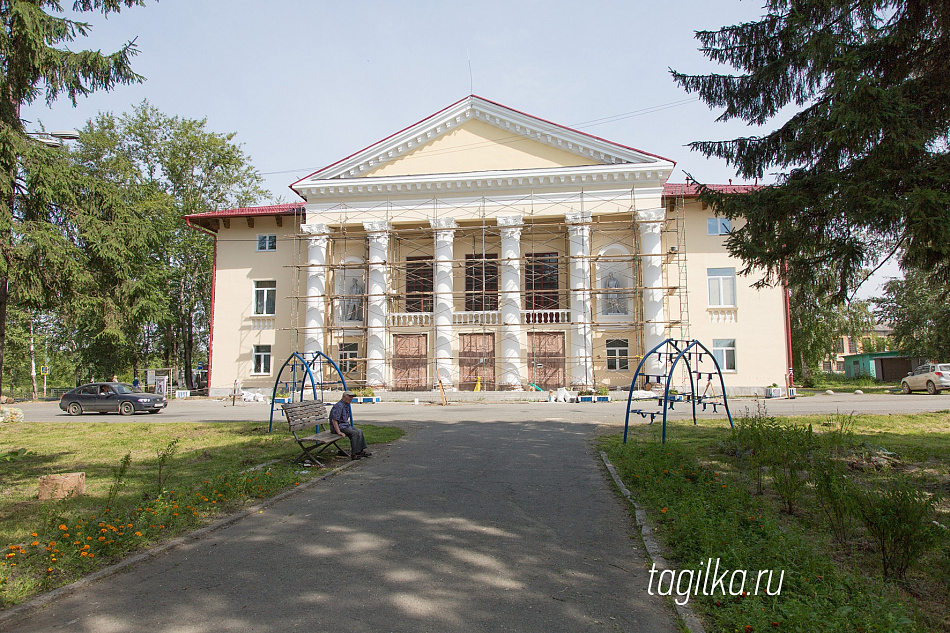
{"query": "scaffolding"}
(548, 289)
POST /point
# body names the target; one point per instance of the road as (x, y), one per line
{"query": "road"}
(612, 413)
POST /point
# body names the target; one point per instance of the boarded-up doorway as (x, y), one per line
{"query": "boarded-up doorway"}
(894, 369)
(546, 359)
(476, 359)
(410, 361)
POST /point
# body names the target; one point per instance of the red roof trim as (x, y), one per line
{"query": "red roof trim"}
(274, 209)
(501, 105)
(692, 190)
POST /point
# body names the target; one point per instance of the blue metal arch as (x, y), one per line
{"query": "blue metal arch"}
(680, 354)
(296, 361)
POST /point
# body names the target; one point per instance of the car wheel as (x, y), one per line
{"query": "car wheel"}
(74, 408)
(905, 387)
(126, 408)
(932, 388)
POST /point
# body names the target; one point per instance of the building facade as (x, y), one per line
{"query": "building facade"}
(485, 248)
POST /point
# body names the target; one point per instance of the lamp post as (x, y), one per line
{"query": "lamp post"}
(50, 139)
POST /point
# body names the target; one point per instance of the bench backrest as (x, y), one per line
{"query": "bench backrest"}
(305, 414)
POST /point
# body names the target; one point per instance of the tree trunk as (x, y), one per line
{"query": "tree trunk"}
(4, 300)
(188, 351)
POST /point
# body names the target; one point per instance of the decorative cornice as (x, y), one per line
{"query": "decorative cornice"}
(475, 108)
(626, 175)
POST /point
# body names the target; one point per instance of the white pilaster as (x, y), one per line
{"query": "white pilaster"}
(511, 329)
(443, 302)
(582, 337)
(316, 302)
(651, 265)
(377, 307)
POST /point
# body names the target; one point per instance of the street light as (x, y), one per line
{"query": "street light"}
(54, 139)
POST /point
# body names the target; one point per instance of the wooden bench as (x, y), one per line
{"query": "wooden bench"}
(306, 415)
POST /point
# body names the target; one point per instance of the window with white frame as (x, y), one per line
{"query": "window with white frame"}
(724, 349)
(722, 287)
(267, 242)
(348, 355)
(261, 359)
(618, 352)
(265, 298)
(718, 226)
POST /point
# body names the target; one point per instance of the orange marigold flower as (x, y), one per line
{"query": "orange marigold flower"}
(129, 525)
(62, 526)
(748, 628)
(53, 560)
(663, 511)
(33, 534)
(138, 534)
(11, 555)
(65, 534)
(102, 538)
(34, 543)
(92, 555)
(86, 546)
(84, 553)
(13, 547)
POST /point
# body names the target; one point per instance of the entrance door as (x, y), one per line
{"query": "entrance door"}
(410, 360)
(477, 360)
(546, 359)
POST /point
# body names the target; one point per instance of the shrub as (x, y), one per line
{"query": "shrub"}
(900, 520)
(788, 451)
(835, 494)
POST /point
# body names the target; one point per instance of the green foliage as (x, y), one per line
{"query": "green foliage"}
(15, 455)
(835, 495)
(603, 390)
(862, 156)
(918, 308)
(700, 513)
(118, 480)
(37, 184)
(900, 519)
(164, 458)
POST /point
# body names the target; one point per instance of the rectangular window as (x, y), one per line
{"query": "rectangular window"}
(261, 359)
(265, 298)
(718, 226)
(724, 349)
(481, 282)
(722, 287)
(418, 284)
(618, 351)
(348, 355)
(267, 242)
(541, 281)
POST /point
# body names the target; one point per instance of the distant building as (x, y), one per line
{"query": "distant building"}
(486, 246)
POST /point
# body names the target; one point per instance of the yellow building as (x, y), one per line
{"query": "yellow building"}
(485, 246)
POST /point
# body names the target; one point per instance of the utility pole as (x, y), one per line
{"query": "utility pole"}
(32, 361)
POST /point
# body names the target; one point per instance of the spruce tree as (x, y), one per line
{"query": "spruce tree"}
(863, 88)
(36, 63)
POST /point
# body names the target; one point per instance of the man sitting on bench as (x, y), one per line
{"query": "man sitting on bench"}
(341, 423)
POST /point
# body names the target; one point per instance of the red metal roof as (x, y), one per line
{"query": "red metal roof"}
(692, 189)
(291, 208)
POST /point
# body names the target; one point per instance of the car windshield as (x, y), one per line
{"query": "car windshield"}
(943, 367)
(124, 388)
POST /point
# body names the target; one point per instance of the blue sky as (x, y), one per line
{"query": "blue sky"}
(304, 84)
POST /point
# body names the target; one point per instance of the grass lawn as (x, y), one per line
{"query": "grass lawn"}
(714, 494)
(178, 476)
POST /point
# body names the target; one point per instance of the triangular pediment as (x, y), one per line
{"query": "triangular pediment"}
(477, 135)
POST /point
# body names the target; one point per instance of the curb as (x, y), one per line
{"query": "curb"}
(39, 602)
(685, 613)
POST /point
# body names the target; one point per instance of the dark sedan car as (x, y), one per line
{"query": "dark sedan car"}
(110, 397)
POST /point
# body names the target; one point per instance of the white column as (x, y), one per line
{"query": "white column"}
(316, 302)
(444, 236)
(377, 308)
(582, 337)
(510, 304)
(651, 264)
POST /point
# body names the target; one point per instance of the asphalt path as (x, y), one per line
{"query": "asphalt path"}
(488, 521)
(611, 413)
